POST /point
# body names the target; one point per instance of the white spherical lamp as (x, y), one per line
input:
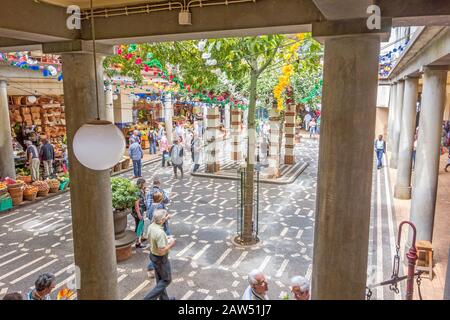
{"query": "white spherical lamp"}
(99, 145)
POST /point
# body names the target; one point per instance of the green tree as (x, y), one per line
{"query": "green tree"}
(247, 58)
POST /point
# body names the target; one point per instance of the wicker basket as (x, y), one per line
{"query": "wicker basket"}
(15, 190)
(118, 167)
(30, 197)
(54, 190)
(125, 164)
(17, 200)
(26, 179)
(43, 193)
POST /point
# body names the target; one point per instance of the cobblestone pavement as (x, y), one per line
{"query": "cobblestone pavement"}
(205, 263)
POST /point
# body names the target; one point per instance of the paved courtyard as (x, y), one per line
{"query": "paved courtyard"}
(205, 263)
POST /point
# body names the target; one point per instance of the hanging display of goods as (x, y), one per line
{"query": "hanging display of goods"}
(30, 193)
(53, 184)
(43, 188)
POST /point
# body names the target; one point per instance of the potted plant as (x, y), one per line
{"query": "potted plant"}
(124, 195)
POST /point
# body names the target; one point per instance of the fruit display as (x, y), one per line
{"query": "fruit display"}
(41, 185)
(30, 193)
(43, 188)
(3, 188)
(53, 185)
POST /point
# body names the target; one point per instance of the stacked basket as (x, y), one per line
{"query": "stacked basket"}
(42, 188)
(16, 192)
(53, 185)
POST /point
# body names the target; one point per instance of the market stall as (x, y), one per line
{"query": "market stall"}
(33, 118)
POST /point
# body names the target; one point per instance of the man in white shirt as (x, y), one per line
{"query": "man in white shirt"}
(258, 287)
(380, 149)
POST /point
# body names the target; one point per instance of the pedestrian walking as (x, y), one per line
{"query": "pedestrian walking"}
(164, 148)
(152, 137)
(47, 155)
(197, 150)
(312, 127)
(43, 286)
(138, 212)
(156, 188)
(157, 204)
(307, 120)
(300, 288)
(136, 154)
(380, 149)
(179, 132)
(33, 161)
(258, 287)
(176, 156)
(136, 136)
(414, 152)
(160, 245)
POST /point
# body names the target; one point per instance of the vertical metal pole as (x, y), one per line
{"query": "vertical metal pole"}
(412, 258)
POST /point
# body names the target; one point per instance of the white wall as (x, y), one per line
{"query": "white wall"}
(383, 96)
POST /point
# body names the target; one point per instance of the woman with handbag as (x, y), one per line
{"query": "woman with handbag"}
(138, 211)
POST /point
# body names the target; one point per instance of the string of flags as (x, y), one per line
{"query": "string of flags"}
(387, 60)
(24, 61)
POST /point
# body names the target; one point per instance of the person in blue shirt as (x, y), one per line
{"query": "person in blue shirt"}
(156, 188)
(136, 155)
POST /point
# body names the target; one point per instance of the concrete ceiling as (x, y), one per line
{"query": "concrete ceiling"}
(343, 9)
(85, 4)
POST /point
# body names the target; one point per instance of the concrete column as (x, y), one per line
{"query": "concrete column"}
(392, 96)
(7, 166)
(402, 188)
(212, 147)
(274, 142)
(236, 153)
(90, 191)
(227, 118)
(397, 123)
(168, 113)
(109, 101)
(289, 134)
(427, 153)
(447, 279)
(344, 186)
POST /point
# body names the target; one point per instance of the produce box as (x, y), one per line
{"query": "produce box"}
(5, 203)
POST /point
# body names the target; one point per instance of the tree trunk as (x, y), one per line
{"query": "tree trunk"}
(247, 234)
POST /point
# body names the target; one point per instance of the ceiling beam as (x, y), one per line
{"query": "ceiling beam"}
(260, 17)
(34, 21)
